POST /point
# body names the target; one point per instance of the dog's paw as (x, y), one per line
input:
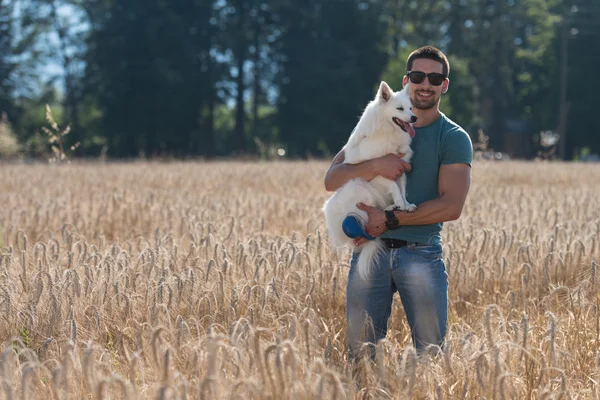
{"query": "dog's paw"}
(393, 207)
(410, 207)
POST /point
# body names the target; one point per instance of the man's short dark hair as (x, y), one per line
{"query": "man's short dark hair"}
(430, 53)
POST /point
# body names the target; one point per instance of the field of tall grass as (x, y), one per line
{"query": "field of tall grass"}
(215, 281)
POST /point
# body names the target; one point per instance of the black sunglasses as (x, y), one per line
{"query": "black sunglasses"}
(417, 77)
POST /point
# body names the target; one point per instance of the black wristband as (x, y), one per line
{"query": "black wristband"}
(391, 220)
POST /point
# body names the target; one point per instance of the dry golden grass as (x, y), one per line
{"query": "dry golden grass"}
(190, 280)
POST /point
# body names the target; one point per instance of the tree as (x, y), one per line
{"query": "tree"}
(147, 63)
(19, 58)
(70, 32)
(332, 55)
(7, 63)
(583, 57)
(209, 72)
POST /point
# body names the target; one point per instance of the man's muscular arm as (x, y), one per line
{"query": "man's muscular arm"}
(390, 166)
(454, 181)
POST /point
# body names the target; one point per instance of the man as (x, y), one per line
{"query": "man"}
(438, 182)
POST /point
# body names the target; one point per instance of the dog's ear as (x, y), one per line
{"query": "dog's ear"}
(384, 92)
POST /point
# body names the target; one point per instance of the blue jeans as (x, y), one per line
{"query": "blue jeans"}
(419, 275)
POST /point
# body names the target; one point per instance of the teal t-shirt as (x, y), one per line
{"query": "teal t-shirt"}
(440, 143)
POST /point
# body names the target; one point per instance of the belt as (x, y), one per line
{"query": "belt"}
(394, 243)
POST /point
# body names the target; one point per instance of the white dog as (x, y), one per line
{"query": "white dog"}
(383, 128)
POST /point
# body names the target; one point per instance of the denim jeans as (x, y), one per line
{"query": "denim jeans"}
(417, 272)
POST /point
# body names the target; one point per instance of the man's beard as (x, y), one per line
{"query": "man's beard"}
(424, 104)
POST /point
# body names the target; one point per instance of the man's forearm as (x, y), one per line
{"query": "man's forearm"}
(431, 212)
(341, 173)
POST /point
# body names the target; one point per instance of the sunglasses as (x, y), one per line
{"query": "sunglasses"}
(417, 77)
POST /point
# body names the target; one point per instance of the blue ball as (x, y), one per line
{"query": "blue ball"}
(354, 229)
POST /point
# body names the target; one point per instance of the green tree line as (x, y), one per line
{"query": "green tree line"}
(209, 78)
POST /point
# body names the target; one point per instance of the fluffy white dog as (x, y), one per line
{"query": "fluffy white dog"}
(383, 128)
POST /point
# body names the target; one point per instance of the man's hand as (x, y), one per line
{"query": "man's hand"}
(391, 166)
(375, 225)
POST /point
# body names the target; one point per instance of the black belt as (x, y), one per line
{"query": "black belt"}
(394, 243)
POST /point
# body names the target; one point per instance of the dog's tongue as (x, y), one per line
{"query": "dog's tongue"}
(409, 129)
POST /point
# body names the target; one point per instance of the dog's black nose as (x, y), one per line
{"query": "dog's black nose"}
(413, 119)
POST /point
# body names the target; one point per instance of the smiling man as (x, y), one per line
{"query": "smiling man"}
(438, 181)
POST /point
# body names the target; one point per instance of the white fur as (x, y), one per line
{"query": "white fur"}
(375, 135)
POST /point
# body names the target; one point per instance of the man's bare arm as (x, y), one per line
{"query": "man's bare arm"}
(390, 166)
(454, 182)
(340, 173)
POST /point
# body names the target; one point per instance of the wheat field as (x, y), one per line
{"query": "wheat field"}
(187, 280)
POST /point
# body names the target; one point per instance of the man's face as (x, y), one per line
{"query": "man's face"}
(424, 95)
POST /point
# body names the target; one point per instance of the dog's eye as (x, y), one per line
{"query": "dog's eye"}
(400, 108)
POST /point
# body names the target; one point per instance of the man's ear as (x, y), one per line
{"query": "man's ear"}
(384, 92)
(445, 85)
(404, 80)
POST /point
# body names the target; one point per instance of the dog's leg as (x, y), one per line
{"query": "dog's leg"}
(407, 156)
(407, 206)
(391, 189)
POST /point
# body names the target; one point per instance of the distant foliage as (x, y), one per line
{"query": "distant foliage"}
(9, 147)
